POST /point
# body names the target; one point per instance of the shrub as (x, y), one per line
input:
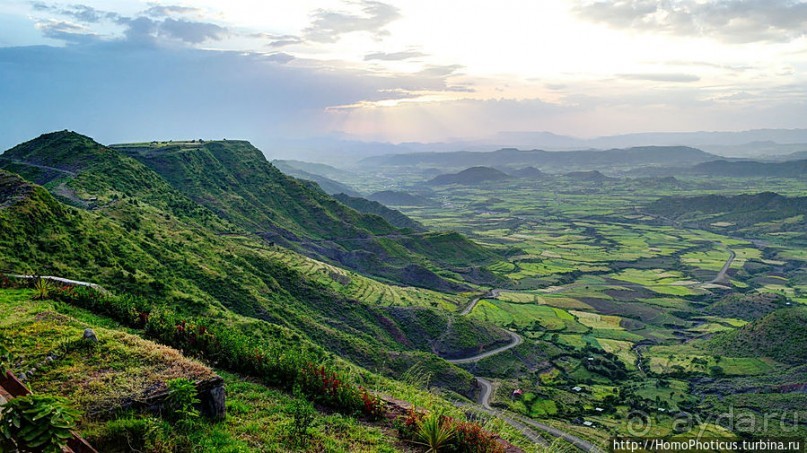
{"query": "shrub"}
(329, 387)
(36, 422)
(5, 356)
(435, 432)
(303, 414)
(442, 433)
(180, 405)
(471, 438)
(408, 427)
(374, 407)
(42, 289)
(6, 282)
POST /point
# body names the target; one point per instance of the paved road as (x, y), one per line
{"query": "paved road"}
(516, 340)
(721, 276)
(44, 167)
(492, 294)
(525, 425)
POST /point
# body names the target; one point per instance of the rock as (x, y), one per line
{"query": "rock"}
(213, 398)
(89, 334)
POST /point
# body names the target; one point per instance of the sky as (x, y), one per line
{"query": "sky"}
(398, 70)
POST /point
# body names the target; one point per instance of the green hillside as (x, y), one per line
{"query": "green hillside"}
(394, 217)
(740, 169)
(780, 335)
(233, 179)
(142, 246)
(398, 198)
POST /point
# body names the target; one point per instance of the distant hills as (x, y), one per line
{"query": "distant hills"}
(751, 143)
(396, 218)
(735, 212)
(790, 169)
(527, 173)
(398, 198)
(328, 185)
(469, 176)
(593, 176)
(545, 160)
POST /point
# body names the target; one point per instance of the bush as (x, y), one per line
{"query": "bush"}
(36, 423)
(303, 414)
(180, 405)
(442, 433)
(138, 433)
(435, 432)
(42, 289)
(329, 387)
(5, 356)
(374, 407)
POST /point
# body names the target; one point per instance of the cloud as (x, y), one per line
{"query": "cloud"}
(661, 77)
(393, 56)
(732, 21)
(139, 31)
(278, 40)
(328, 26)
(66, 31)
(170, 10)
(280, 57)
(81, 13)
(191, 32)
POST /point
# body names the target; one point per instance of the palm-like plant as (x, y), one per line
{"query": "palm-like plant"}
(42, 289)
(435, 432)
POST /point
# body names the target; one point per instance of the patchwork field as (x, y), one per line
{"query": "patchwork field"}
(612, 296)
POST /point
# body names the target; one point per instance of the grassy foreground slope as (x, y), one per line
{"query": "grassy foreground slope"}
(109, 382)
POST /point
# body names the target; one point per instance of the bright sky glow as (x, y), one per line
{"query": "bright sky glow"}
(418, 70)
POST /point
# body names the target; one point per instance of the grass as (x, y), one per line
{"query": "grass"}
(522, 315)
(98, 376)
(669, 359)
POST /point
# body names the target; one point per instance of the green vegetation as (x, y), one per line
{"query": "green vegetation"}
(779, 335)
(322, 315)
(36, 423)
(612, 287)
(234, 180)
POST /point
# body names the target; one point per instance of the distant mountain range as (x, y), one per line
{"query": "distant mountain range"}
(545, 160)
(791, 169)
(342, 151)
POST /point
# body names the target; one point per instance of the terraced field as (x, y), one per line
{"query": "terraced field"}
(358, 287)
